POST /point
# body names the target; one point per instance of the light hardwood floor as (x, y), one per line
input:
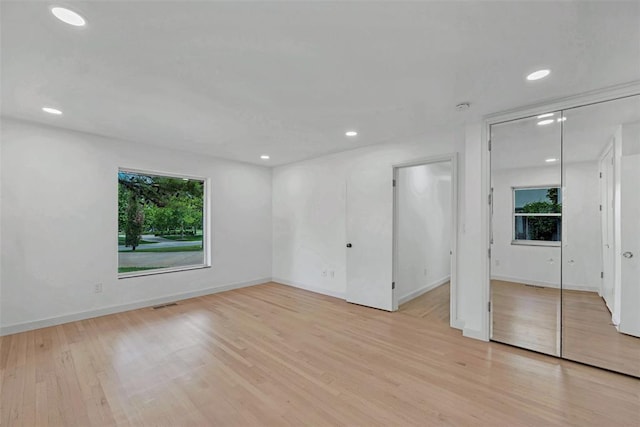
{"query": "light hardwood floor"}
(432, 305)
(589, 336)
(275, 355)
(526, 316)
(529, 317)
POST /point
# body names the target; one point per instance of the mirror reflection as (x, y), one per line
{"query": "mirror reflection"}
(526, 231)
(601, 239)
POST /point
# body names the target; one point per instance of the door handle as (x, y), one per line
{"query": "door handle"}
(348, 245)
(628, 254)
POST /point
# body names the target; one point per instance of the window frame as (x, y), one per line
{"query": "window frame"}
(206, 221)
(515, 214)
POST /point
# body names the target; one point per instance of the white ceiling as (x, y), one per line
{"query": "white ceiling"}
(237, 80)
(583, 136)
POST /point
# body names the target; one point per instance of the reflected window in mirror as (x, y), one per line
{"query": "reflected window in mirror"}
(537, 215)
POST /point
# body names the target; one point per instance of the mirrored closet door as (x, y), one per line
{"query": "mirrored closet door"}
(601, 236)
(565, 234)
(526, 231)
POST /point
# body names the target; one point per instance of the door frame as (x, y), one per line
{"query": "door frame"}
(580, 100)
(605, 208)
(453, 158)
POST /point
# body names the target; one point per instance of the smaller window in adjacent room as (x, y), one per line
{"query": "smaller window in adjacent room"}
(537, 215)
(161, 223)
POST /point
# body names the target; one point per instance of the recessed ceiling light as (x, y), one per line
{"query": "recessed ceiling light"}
(542, 116)
(51, 110)
(264, 157)
(68, 16)
(545, 122)
(562, 119)
(551, 160)
(537, 75)
(351, 133)
(463, 106)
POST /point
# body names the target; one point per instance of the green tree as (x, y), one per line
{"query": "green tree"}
(159, 190)
(543, 227)
(123, 197)
(552, 194)
(134, 223)
(169, 204)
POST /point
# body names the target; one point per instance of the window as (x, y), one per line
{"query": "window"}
(161, 223)
(537, 215)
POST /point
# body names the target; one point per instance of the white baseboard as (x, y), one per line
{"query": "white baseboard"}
(567, 286)
(317, 290)
(423, 290)
(475, 334)
(457, 324)
(72, 317)
(573, 287)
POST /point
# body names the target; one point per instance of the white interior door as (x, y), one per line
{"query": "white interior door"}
(630, 240)
(607, 214)
(369, 234)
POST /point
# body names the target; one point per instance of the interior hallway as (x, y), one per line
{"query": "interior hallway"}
(432, 305)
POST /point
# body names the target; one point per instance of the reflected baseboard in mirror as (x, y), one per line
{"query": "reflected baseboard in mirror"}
(590, 337)
(526, 316)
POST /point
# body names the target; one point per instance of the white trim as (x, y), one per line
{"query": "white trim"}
(165, 270)
(475, 334)
(604, 223)
(453, 290)
(556, 104)
(454, 321)
(315, 289)
(206, 227)
(160, 174)
(423, 290)
(394, 237)
(536, 214)
(547, 243)
(426, 160)
(515, 214)
(457, 324)
(544, 284)
(486, 231)
(82, 315)
(574, 287)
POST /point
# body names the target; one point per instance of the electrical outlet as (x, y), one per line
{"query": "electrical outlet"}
(97, 288)
(324, 273)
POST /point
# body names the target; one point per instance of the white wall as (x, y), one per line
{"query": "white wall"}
(473, 274)
(541, 265)
(309, 214)
(59, 225)
(49, 273)
(423, 227)
(582, 235)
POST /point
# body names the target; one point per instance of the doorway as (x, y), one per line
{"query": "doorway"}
(424, 239)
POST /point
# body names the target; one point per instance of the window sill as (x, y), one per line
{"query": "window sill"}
(160, 271)
(536, 243)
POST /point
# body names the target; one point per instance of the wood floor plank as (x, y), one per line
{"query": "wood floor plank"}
(589, 336)
(528, 316)
(275, 355)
